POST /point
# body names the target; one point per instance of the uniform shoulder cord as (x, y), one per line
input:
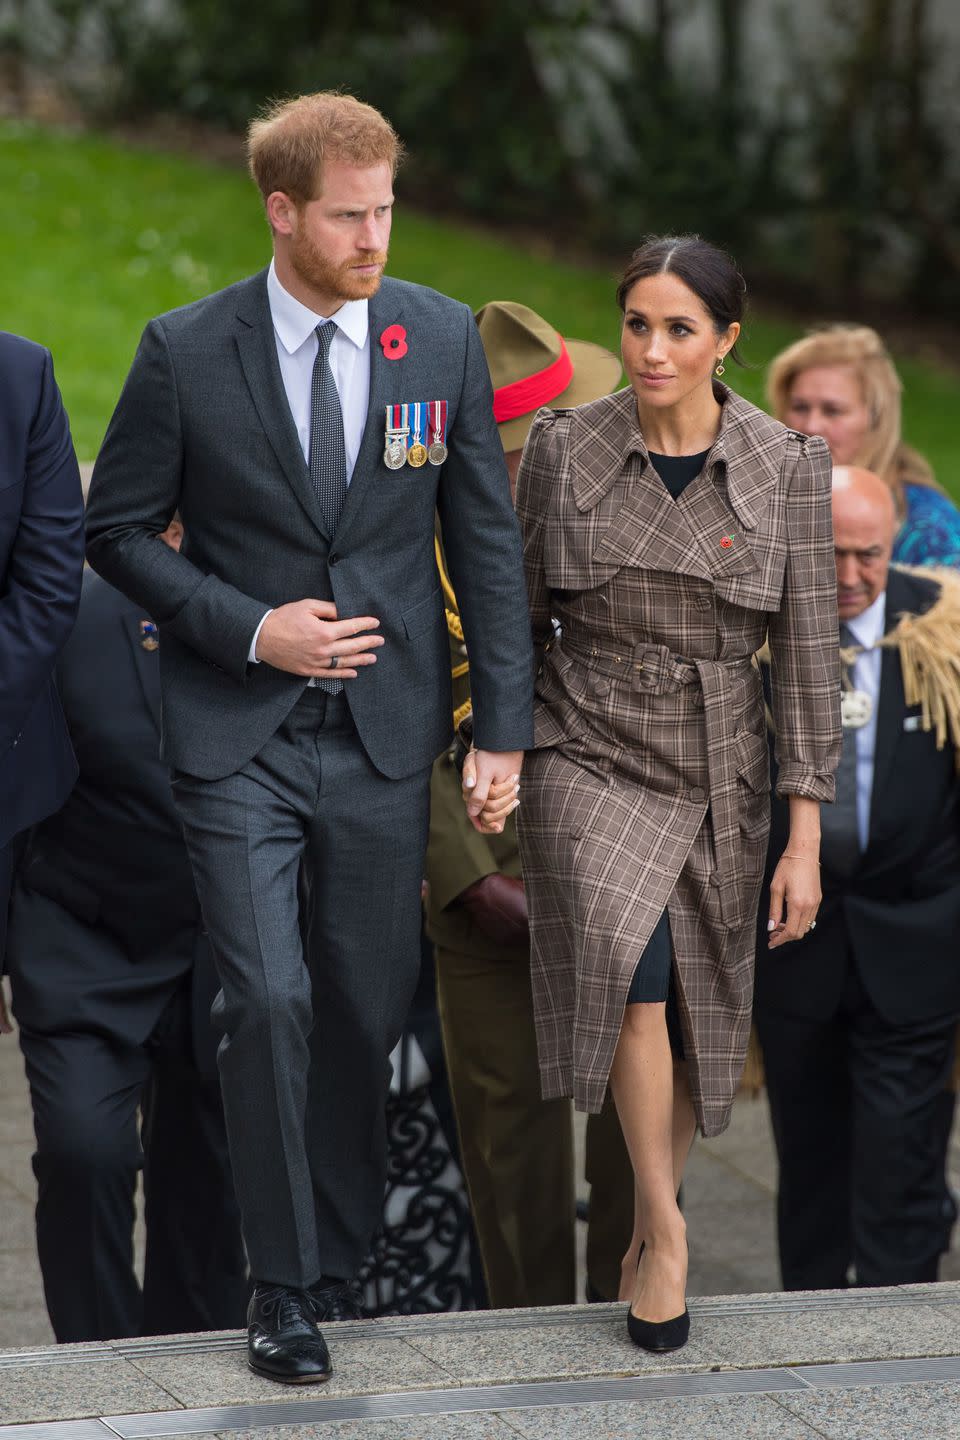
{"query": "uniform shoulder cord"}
(455, 628)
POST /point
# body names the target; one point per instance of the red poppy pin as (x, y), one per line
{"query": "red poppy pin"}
(726, 542)
(394, 342)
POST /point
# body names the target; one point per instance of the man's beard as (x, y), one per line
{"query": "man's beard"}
(341, 281)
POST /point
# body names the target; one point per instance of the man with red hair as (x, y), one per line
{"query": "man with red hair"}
(309, 422)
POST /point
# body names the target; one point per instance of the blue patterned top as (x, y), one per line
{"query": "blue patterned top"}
(930, 535)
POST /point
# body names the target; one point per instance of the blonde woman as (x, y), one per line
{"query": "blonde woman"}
(839, 382)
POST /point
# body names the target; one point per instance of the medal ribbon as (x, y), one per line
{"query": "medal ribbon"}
(398, 418)
(438, 422)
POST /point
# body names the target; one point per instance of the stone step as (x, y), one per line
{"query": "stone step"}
(847, 1365)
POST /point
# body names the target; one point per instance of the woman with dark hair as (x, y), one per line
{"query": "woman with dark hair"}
(669, 528)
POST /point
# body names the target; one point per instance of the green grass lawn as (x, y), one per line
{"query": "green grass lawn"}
(95, 238)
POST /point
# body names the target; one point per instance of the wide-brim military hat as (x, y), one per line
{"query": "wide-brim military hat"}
(531, 365)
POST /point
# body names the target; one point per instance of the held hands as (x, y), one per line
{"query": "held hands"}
(303, 637)
(794, 898)
(491, 784)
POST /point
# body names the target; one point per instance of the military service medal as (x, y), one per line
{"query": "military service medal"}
(437, 451)
(856, 709)
(397, 430)
(417, 454)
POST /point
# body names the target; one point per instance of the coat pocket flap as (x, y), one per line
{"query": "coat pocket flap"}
(753, 762)
(422, 615)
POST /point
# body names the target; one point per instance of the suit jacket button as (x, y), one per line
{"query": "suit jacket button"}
(333, 559)
(702, 602)
(698, 795)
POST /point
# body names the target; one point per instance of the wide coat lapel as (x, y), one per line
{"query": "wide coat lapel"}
(704, 533)
(720, 539)
(728, 500)
(387, 387)
(646, 529)
(257, 347)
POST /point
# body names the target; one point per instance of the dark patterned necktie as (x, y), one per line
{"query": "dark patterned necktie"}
(840, 832)
(328, 456)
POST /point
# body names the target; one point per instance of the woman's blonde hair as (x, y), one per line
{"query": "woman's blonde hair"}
(289, 143)
(861, 348)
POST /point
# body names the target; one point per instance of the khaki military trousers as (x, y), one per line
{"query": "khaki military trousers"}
(517, 1149)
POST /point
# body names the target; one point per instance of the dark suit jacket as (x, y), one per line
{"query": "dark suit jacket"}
(898, 916)
(113, 858)
(203, 423)
(41, 561)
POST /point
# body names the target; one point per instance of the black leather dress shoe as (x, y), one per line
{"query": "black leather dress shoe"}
(339, 1300)
(283, 1342)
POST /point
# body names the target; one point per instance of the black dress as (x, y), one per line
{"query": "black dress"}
(651, 981)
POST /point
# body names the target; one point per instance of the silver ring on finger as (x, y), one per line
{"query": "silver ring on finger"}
(333, 662)
(811, 926)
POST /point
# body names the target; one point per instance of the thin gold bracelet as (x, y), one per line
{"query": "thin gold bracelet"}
(787, 856)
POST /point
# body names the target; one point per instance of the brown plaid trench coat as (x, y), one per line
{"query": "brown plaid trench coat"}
(649, 784)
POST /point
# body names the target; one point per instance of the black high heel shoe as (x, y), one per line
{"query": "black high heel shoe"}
(659, 1336)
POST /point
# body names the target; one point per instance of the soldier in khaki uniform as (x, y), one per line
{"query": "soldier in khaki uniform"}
(517, 1148)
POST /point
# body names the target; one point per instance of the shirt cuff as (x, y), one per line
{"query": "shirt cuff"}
(252, 653)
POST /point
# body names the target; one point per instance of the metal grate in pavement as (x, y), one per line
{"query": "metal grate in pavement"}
(490, 1398)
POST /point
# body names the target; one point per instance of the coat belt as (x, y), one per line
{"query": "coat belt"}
(655, 670)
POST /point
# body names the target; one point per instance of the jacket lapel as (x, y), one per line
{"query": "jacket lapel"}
(890, 710)
(652, 530)
(750, 449)
(710, 519)
(646, 528)
(649, 530)
(145, 661)
(891, 702)
(257, 347)
(386, 388)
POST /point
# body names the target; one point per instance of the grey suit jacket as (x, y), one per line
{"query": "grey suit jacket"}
(203, 424)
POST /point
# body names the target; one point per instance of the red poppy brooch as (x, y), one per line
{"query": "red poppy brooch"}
(393, 342)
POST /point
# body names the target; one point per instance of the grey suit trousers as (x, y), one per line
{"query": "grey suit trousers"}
(308, 863)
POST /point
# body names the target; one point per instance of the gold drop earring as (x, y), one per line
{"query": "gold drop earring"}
(721, 368)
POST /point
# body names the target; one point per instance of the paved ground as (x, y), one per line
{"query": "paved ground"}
(728, 1197)
(849, 1365)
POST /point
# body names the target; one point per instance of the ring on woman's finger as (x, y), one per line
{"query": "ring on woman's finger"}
(811, 926)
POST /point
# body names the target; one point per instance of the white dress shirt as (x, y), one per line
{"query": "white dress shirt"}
(867, 629)
(295, 332)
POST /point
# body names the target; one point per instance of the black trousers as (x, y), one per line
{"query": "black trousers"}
(86, 1088)
(9, 858)
(857, 1105)
(313, 1000)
